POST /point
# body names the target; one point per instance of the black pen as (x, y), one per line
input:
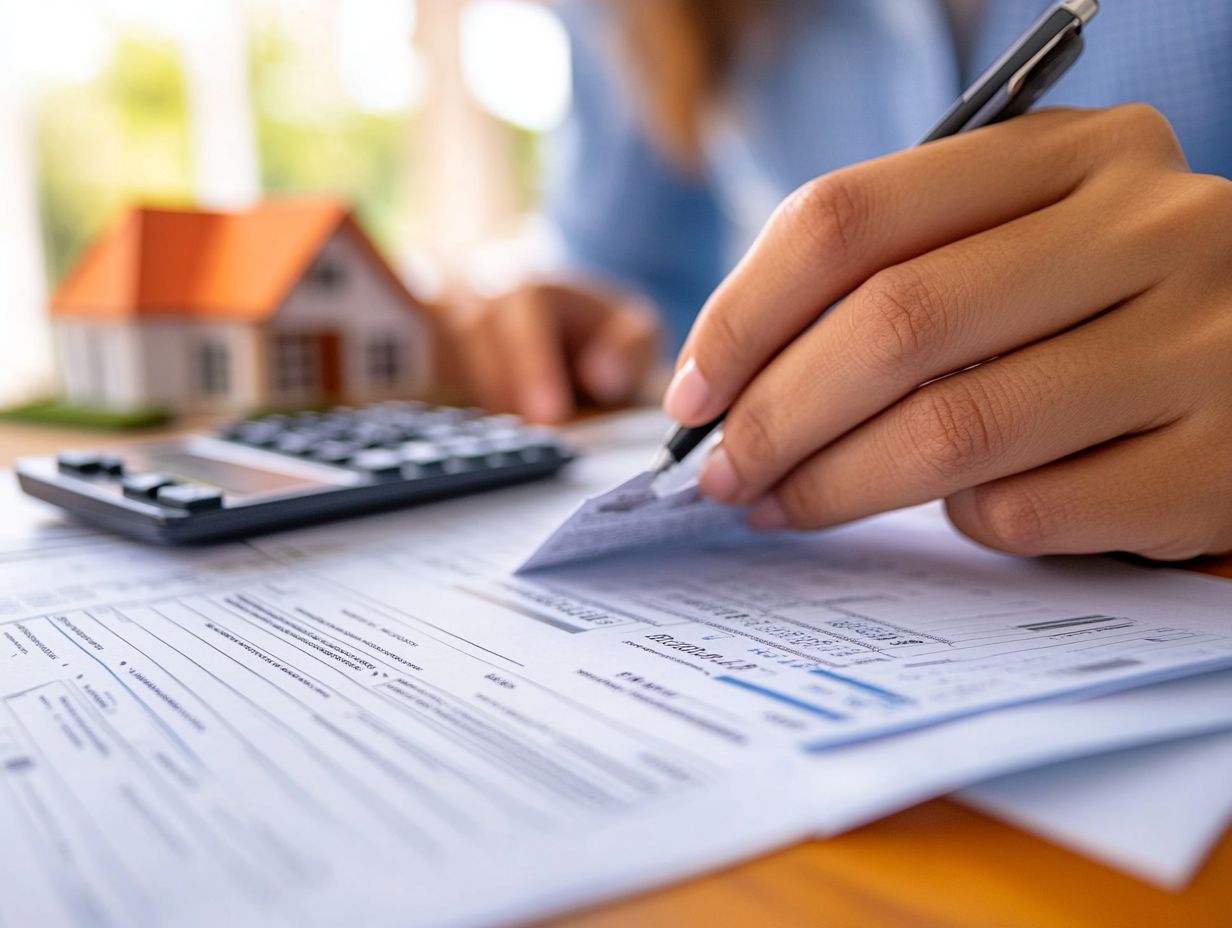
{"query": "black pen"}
(1007, 89)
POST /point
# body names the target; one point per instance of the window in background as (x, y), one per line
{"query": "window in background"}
(515, 63)
(119, 137)
(334, 93)
(384, 361)
(215, 368)
(295, 364)
(326, 275)
(95, 361)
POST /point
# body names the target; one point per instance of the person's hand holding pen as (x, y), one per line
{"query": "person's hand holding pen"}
(1037, 327)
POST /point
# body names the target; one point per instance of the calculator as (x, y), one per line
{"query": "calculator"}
(277, 471)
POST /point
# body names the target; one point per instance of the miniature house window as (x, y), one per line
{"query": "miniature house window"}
(95, 364)
(384, 361)
(214, 366)
(326, 275)
(295, 363)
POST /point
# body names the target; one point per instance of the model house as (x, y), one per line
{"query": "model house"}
(285, 305)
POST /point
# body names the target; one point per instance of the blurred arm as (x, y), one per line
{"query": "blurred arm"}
(621, 209)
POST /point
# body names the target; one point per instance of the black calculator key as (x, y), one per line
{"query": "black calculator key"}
(335, 452)
(423, 454)
(374, 434)
(378, 461)
(146, 486)
(298, 442)
(466, 453)
(538, 451)
(190, 498)
(111, 465)
(89, 462)
(78, 462)
(260, 433)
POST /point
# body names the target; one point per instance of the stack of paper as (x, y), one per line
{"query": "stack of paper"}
(383, 721)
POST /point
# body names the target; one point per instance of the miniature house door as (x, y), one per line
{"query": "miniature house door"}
(329, 353)
(308, 367)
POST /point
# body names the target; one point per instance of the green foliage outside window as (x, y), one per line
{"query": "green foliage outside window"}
(119, 138)
(311, 140)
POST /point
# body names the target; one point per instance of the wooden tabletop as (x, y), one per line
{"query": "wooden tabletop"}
(939, 864)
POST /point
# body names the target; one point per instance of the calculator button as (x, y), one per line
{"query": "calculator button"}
(111, 465)
(335, 452)
(374, 435)
(378, 461)
(423, 453)
(537, 451)
(258, 433)
(296, 442)
(146, 486)
(79, 462)
(190, 498)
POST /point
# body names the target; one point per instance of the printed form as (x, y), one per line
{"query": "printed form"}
(379, 722)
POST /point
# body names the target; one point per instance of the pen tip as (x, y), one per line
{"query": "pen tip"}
(661, 462)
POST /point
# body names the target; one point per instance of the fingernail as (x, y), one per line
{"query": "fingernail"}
(542, 404)
(609, 377)
(688, 395)
(718, 478)
(767, 514)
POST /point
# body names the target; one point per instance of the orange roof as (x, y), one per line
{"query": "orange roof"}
(194, 263)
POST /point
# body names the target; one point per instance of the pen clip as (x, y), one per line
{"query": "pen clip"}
(1031, 81)
(1016, 83)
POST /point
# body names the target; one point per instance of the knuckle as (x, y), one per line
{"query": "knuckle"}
(723, 337)
(801, 496)
(824, 214)
(753, 442)
(1014, 518)
(1143, 125)
(949, 430)
(1212, 195)
(1194, 209)
(902, 319)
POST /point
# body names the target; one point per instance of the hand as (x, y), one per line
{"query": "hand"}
(1039, 330)
(529, 350)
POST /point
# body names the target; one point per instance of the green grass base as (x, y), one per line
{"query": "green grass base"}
(54, 412)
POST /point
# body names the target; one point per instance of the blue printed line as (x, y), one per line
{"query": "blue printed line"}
(781, 697)
(867, 687)
(154, 716)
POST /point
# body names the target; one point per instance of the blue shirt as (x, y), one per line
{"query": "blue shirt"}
(848, 80)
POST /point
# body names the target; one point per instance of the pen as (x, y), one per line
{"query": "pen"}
(1007, 89)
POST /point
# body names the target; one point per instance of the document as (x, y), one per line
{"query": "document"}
(379, 723)
(1155, 811)
(847, 626)
(209, 737)
(636, 516)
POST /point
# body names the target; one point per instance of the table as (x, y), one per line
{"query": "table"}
(940, 863)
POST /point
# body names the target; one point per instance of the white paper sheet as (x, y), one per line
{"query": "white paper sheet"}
(374, 722)
(1155, 811)
(854, 626)
(634, 517)
(210, 737)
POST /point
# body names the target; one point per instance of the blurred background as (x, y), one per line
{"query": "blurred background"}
(425, 114)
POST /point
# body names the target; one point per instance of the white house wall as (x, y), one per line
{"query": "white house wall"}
(172, 353)
(156, 363)
(101, 364)
(362, 306)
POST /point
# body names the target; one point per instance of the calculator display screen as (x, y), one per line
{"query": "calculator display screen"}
(232, 478)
